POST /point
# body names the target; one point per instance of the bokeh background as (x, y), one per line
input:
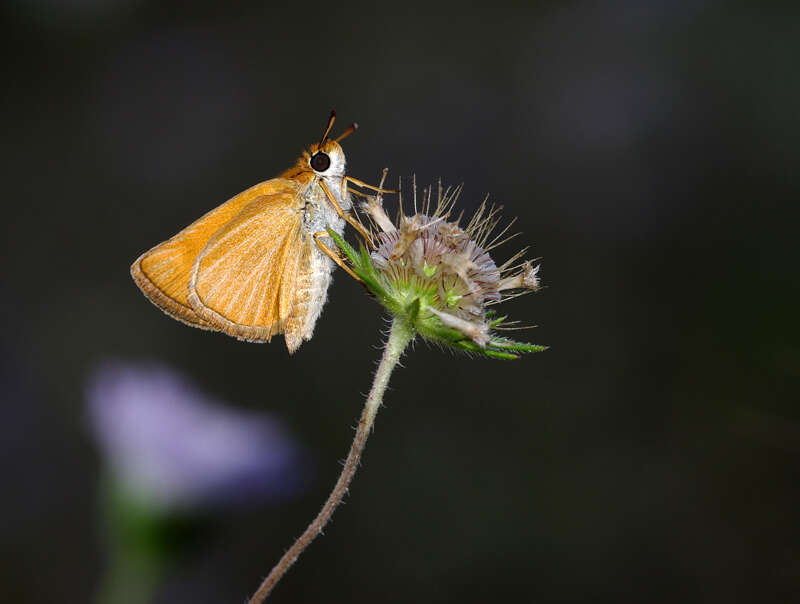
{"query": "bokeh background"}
(649, 150)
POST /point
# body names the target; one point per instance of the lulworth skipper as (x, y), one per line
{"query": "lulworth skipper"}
(255, 266)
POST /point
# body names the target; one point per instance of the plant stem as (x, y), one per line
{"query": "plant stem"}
(399, 337)
(137, 557)
(131, 579)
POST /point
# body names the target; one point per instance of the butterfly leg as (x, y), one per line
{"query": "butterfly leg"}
(333, 255)
(361, 183)
(342, 214)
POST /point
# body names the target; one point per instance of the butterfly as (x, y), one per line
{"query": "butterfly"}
(256, 266)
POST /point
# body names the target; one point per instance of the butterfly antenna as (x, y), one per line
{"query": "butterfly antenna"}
(347, 132)
(331, 119)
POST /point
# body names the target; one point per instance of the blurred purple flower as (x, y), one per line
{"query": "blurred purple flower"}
(173, 446)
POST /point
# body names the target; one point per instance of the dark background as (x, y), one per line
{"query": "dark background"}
(649, 150)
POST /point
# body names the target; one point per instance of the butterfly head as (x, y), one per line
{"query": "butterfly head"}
(327, 159)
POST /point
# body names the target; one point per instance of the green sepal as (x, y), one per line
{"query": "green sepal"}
(471, 346)
(499, 348)
(362, 266)
(506, 344)
(412, 311)
(366, 261)
(344, 246)
(506, 356)
(497, 321)
(447, 335)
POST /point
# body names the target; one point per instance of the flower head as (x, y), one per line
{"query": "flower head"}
(439, 277)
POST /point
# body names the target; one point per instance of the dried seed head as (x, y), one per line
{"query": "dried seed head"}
(439, 276)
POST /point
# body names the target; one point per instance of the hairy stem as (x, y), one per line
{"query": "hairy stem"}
(399, 337)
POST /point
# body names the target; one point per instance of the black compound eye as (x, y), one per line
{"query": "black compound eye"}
(320, 162)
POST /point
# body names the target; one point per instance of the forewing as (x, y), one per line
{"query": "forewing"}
(163, 272)
(243, 281)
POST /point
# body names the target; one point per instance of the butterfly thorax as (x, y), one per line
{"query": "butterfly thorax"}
(318, 215)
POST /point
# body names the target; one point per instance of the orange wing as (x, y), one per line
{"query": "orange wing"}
(163, 272)
(243, 281)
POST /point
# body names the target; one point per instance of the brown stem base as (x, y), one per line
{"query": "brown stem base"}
(399, 337)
